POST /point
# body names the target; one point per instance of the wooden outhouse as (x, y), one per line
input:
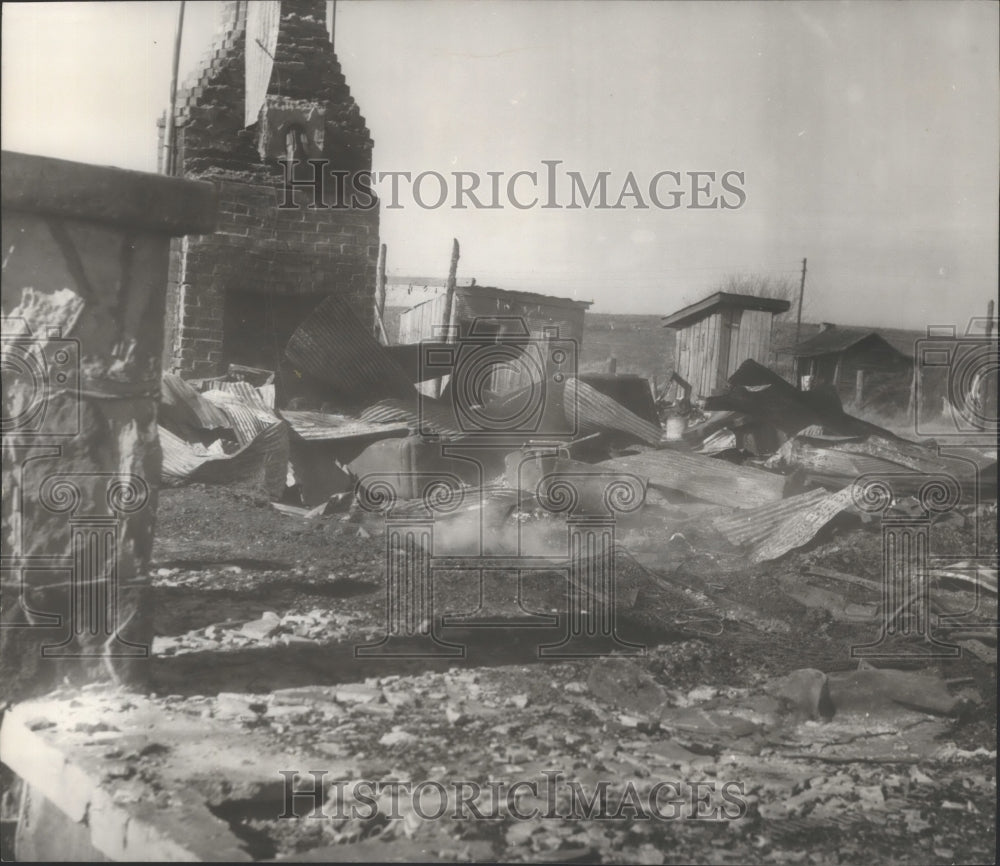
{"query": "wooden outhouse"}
(720, 332)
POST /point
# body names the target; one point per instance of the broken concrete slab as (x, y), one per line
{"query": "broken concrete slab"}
(168, 821)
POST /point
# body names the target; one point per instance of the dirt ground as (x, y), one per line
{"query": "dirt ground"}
(250, 600)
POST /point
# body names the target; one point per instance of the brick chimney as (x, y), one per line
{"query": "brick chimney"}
(237, 295)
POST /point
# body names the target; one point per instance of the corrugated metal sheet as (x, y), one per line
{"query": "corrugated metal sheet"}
(334, 346)
(261, 462)
(630, 390)
(500, 500)
(248, 420)
(259, 397)
(436, 416)
(753, 525)
(802, 526)
(704, 477)
(320, 426)
(591, 410)
(181, 404)
(596, 412)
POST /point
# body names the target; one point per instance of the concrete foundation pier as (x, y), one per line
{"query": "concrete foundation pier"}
(85, 253)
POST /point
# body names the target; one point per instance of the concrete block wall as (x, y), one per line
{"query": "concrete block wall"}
(261, 254)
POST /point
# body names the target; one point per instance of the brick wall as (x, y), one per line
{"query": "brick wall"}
(262, 256)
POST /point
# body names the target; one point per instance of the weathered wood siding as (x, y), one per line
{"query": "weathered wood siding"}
(419, 322)
(505, 315)
(698, 353)
(710, 350)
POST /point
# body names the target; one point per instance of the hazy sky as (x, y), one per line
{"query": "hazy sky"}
(867, 134)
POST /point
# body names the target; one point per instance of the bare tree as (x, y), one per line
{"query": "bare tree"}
(785, 287)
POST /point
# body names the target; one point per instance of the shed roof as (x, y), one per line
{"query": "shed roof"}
(517, 297)
(838, 339)
(705, 307)
(523, 297)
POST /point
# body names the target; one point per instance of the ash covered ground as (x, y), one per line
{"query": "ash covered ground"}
(258, 615)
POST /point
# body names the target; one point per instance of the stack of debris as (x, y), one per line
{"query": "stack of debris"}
(765, 468)
(350, 393)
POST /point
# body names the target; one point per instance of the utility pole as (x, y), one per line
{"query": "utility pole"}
(170, 132)
(333, 25)
(448, 330)
(987, 396)
(449, 303)
(380, 280)
(802, 289)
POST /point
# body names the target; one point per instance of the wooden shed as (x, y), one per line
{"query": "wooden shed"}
(497, 311)
(720, 332)
(848, 358)
(423, 321)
